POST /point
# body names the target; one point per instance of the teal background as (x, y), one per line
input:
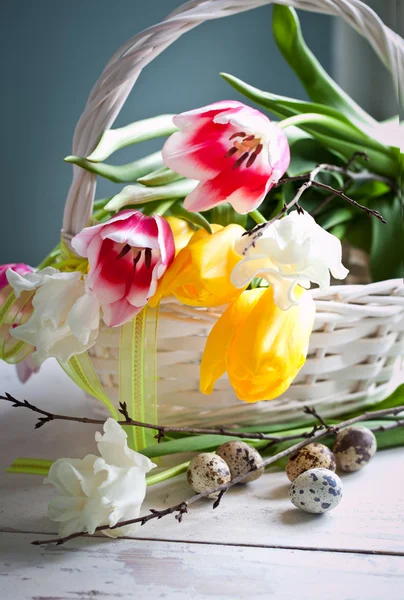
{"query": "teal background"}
(52, 52)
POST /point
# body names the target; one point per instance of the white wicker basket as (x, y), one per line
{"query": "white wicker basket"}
(358, 336)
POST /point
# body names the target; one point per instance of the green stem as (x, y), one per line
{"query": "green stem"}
(167, 474)
(164, 207)
(100, 214)
(50, 258)
(296, 120)
(257, 216)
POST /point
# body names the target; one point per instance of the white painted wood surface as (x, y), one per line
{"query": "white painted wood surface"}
(256, 545)
(144, 569)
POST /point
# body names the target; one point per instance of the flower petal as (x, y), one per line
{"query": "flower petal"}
(119, 312)
(113, 447)
(214, 362)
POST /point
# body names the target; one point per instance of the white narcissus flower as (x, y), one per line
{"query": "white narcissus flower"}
(65, 318)
(292, 251)
(102, 490)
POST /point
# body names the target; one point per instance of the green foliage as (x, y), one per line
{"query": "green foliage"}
(224, 214)
(327, 125)
(335, 217)
(318, 84)
(120, 173)
(387, 246)
(195, 443)
(159, 177)
(140, 131)
(192, 217)
(137, 194)
(306, 154)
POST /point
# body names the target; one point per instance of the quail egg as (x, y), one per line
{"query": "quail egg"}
(207, 471)
(311, 456)
(240, 458)
(316, 491)
(354, 447)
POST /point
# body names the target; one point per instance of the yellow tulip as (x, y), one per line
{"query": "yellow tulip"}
(261, 347)
(200, 273)
(182, 231)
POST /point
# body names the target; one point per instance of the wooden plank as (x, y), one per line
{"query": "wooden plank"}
(107, 569)
(370, 517)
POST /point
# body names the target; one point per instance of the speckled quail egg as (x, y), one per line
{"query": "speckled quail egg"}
(240, 458)
(207, 471)
(316, 491)
(354, 447)
(312, 456)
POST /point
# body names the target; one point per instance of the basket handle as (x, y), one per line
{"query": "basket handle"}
(119, 76)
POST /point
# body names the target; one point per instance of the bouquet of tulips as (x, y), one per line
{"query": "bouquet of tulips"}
(212, 220)
(237, 211)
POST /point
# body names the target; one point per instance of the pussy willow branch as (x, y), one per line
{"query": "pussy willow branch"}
(257, 231)
(182, 508)
(161, 429)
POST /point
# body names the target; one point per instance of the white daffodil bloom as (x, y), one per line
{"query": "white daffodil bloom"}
(292, 251)
(65, 318)
(97, 491)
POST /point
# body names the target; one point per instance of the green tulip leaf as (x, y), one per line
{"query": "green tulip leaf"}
(359, 233)
(306, 154)
(196, 443)
(336, 217)
(387, 247)
(121, 173)
(326, 124)
(194, 218)
(140, 194)
(283, 106)
(140, 131)
(318, 84)
(159, 177)
(224, 214)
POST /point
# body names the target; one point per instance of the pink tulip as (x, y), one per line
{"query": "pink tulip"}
(26, 367)
(19, 268)
(127, 256)
(234, 151)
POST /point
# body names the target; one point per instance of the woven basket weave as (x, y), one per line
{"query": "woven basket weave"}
(358, 336)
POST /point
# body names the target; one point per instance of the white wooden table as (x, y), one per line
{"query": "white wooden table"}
(256, 545)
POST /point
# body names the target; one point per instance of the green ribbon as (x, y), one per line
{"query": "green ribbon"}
(30, 466)
(81, 370)
(137, 363)
(137, 374)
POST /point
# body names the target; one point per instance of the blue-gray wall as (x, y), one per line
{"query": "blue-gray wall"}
(52, 51)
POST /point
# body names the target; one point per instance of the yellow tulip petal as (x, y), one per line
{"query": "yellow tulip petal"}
(200, 273)
(269, 347)
(182, 232)
(213, 363)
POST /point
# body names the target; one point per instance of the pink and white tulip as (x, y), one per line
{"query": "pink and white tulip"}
(127, 256)
(234, 151)
(19, 268)
(26, 367)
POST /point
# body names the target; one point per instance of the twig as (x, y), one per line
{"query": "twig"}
(161, 429)
(182, 508)
(344, 170)
(353, 176)
(257, 231)
(312, 411)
